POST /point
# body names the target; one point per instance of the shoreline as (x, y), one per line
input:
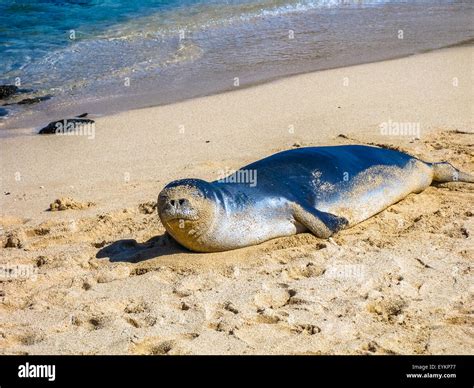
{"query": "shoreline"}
(33, 128)
(101, 278)
(153, 124)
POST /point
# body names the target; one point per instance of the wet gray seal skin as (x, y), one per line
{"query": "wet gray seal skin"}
(320, 189)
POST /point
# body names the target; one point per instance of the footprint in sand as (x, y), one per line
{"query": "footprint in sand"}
(161, 346)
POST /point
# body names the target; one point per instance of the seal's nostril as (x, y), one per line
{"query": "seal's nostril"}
(172, 202)
(181, 201)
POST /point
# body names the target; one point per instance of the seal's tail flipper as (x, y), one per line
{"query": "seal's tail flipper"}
(445, 172)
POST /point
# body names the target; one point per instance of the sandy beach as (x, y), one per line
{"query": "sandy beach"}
(100, 278)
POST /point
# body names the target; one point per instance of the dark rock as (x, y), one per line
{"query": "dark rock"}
(7, 90)
(52, 126)
(34, 100)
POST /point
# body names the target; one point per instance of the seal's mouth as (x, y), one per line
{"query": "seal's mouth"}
(176, 216)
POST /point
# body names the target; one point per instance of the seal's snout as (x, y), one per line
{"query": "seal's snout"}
(180, 200)
(178, 203)
(176, 207)
(187, 211)
(171, 207)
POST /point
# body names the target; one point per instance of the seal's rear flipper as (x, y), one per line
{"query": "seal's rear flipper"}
(319, 223)
(445, 172)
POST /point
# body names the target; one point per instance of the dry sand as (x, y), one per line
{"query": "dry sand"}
(99, 278)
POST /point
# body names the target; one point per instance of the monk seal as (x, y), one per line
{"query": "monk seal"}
(320, 189)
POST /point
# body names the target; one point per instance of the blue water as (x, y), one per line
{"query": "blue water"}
(30, 29)
(83, 52)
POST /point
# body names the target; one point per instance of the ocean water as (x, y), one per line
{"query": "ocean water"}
(105, 56)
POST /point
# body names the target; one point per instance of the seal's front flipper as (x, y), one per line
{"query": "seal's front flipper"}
(319, 223)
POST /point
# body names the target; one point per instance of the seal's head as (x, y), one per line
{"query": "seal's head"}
(188, 209)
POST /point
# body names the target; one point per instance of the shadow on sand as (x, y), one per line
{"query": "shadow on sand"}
(133, 252)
